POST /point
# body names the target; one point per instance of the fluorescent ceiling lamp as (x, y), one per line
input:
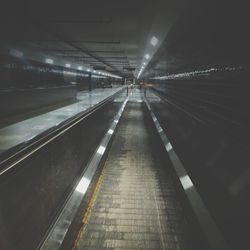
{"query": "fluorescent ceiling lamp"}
(16, 53)
(49, 61)
(154, 41)
(147, 56)
(80, 68)
(67, 65)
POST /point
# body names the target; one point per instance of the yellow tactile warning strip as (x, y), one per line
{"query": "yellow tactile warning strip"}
(135, 205)
(88, 210)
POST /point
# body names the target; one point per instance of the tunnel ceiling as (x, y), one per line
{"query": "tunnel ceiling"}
(114, 35)
(210, 34)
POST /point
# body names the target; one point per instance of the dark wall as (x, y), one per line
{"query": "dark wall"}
(206, 108)
(207, 34)
(14, 102)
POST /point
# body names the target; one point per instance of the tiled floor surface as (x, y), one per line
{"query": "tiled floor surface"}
(136, 204)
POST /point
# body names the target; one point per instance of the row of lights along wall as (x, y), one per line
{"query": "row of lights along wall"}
(153, 42)
(19, 54)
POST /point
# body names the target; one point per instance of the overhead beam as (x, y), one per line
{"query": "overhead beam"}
(92, 61)
(91, 51)
(60, 37)
(89, 57)
(70, 41)
(82, 20)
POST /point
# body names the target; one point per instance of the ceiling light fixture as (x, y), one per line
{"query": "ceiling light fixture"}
(147, 56)
(67, 65)
(16, 53)
(49, 61)
(79, 68)
(154, 41)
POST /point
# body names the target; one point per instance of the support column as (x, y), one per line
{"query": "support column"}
(90, 81)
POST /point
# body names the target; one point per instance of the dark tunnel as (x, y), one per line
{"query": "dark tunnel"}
(66, 71)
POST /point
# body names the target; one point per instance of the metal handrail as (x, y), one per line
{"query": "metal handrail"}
(49, 135)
